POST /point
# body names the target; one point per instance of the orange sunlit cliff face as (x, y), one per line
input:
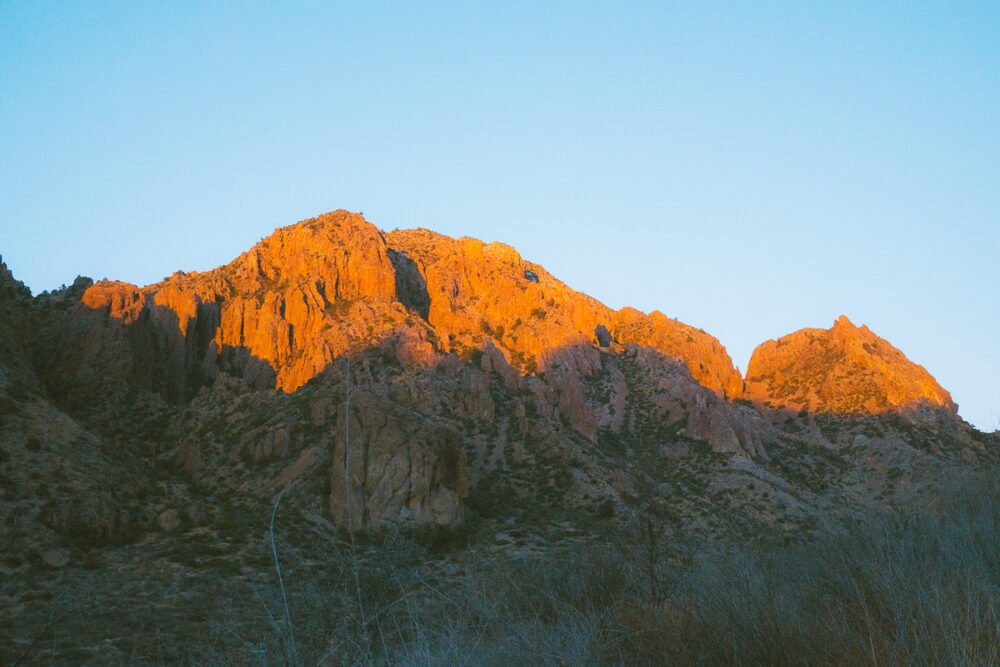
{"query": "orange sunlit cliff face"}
(311, 292)
(314, 291)
(843, 370)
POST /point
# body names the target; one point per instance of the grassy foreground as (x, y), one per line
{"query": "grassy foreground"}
(917, 587)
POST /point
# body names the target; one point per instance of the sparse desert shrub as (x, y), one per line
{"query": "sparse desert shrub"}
(900, 589)
(909, 588)
(913, 589)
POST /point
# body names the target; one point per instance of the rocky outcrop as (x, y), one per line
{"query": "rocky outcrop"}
(486, 293)
(704, 356)
(121, 301)
(283, 311)
(297, 300)
(11, 288)
(673, 397)
(276, 316)
(845, 370)
(402, 468)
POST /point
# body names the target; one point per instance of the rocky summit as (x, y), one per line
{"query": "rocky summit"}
(409, 381)
(844, 370)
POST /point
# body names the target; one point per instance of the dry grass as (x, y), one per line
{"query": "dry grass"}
(918, 587)
(905, 589)
(910, 588)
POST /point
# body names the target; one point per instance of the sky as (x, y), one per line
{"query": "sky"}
(750, 169)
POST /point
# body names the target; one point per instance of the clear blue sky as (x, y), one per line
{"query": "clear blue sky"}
(747, 169)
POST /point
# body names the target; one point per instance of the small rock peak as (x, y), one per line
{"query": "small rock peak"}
(503, 252)
(332, 219)
(124, 301)
(628, 312)
(844, 322)
(337, 226)
(845, 369)
(340, 250)
(9, 285)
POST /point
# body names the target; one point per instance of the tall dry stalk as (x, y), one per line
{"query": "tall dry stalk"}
(281, 581)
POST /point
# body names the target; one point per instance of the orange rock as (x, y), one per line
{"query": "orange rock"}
(703, 354)
(486, 294)
(842, 370)
(183, 305)
(324, 287)
(123, 300)
(301, 297)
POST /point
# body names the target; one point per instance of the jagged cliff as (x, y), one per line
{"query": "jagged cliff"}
(314, 291)
(479, 381)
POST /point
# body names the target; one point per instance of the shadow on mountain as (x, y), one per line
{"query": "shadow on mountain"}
(411, 285)
(582, 384)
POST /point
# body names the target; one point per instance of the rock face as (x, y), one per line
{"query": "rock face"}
(283, 311)
(276, 316)
(845, 370)
(704, 355)
(403, 468)
(477, 380)
(10, 288)
(675, 399)
(121, 301)
(478, 292)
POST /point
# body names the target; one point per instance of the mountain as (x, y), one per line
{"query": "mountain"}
(462, 388)
(845, 370)
(313, 292)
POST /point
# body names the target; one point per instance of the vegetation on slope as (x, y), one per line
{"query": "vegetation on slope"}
(903, 588)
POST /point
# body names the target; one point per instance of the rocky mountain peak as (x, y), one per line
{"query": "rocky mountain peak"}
(340, 252)
(843, 322)
(845, 370)
(335, 284)
(10, 287)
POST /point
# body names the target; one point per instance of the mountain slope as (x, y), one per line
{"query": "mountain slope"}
(146, 431)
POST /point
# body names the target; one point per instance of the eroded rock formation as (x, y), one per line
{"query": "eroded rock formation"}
(402, 468)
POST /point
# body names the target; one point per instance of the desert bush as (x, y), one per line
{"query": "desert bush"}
(905, 588)
(919, 587)
(908, 588)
